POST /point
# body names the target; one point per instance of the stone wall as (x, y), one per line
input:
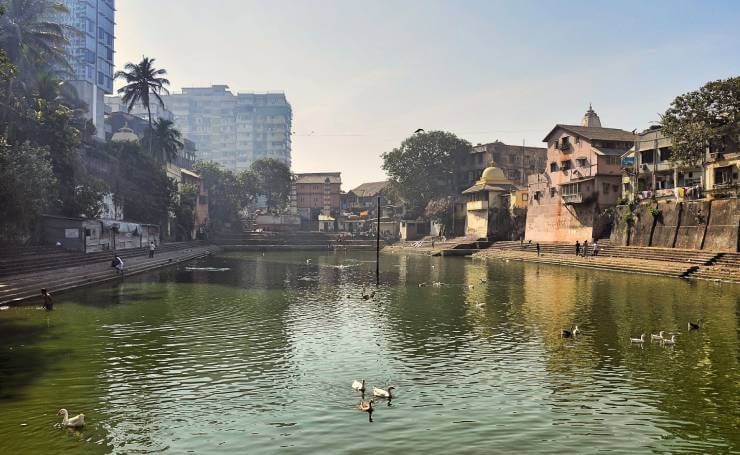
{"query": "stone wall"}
(664, 232)
(723, 228)
(557, 222)
(692, 224)
(709, 225)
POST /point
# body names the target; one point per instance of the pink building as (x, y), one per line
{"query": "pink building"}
(582, 178)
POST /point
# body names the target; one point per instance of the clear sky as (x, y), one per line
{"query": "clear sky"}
(363, 75)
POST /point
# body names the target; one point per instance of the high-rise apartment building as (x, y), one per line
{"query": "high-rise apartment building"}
(91, 53)
(233, 130)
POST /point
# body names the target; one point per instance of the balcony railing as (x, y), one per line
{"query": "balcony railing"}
(576, 198)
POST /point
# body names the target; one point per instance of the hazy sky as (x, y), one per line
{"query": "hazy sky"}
(362, 75)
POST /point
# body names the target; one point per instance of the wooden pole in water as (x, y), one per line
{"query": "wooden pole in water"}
(377, 249)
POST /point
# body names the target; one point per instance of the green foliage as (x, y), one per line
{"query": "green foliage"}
(140, 184)
(166, 141)
(441, 211)
(705, 118)
(26, 182)
(226, 193)
(423, 167)
(184, 211)
(655, 212)
(142, 80)
(270, 178)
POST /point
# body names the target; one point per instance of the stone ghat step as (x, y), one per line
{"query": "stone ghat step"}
(75, 259)
(60, 285)
(664, 270)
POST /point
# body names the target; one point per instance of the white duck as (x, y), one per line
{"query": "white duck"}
(77, 421)
(383, 393)
(672, 341)
(638, 340)
(359, 385)
(658, 337)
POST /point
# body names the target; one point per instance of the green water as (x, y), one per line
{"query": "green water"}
(260, 359)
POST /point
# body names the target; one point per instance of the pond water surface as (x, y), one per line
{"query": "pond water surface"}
(259, 358)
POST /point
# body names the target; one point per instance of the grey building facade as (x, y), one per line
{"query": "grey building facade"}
(233, 130)
(91, 52)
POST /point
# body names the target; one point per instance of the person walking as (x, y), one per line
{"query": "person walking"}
(152, 247)
(48, 302)
(596, 248)
(538, 248)
(578, 248)
(585, 248)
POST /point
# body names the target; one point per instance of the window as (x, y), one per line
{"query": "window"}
(723, 175)
(613, 160)
(581, 162)
(570, 189)
(525, 197)
(553, 167)
(605, 187)
(565, 165)
(553, 190)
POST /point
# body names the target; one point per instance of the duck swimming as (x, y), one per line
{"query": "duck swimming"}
(638, 340)
(697, 326)
(659, 336)
(572, 333)
(77, 421)
(383, 393)
(672, 341)
(359, 386)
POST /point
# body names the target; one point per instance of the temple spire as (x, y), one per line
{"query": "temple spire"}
(591, 118)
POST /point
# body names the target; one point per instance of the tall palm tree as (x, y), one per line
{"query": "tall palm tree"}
(142, 81)
(31, 37)
(166, 141)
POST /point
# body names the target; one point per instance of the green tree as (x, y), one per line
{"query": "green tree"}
(166, 141)
(143, 81)
(704, 120)
(226, 194)
(26, 182)
(423, 167)
(140, 184)
(272, 179)
(184, 211)
(31, 37)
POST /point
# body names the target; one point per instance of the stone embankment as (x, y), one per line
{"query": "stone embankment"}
(66, 271)
(644, 260)
(459, 246)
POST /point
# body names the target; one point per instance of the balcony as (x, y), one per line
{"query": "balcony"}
(576, 198)
(476, 205)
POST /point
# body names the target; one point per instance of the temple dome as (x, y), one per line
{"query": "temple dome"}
(494, 176)
(125, 134)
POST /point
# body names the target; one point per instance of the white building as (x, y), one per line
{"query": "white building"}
(233, 130)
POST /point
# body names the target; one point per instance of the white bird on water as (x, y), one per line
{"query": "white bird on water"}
(77, 421)
(383, 393)
(672, 341)
(359, 386)
(659, 336)
(638, 340)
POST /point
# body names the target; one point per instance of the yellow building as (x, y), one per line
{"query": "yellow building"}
(487, 204)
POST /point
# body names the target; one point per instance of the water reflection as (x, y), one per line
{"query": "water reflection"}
(262, 356)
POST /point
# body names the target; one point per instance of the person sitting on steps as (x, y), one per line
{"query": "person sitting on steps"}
(48, 302)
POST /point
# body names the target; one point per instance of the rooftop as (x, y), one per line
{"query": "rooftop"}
(370, 189)
(319, 177)
(594, 132)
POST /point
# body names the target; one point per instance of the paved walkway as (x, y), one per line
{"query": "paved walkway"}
(18, 288)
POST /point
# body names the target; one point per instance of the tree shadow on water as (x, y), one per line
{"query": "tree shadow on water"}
(22, 359)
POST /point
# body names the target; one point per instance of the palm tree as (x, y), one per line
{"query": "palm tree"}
(30, 36)
(142, 81)
(166, 140)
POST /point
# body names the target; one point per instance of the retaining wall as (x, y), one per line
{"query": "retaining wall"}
(693, 219)
(722, 230)
(664, 232)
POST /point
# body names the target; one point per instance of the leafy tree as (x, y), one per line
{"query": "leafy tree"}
(423, 167)
(708, 118)
(272, 179)
(142, 81)
(226, 194)
(184, 211)
(26, 182)
(166, 141)
(31, 37)
(441, 211)
(140, 184)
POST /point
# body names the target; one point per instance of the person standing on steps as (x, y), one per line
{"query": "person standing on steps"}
(585, 248)
(596, 248)
(152, 247)
(538, 249)
(118, 264)
(578, 248)
(48, 302)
